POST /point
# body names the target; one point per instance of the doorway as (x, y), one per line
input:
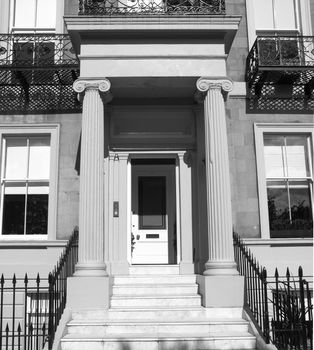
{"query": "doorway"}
(153, 211)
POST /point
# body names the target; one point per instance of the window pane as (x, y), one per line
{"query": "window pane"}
(16, 158)
(46, 13)
(301, 210)
(297, 156)
(274, 155)
(284, 14)
(152, 202)
(39, 158)
(13, 210)
(24, 14)
(37, 214)
(294, 220)
(263, 13)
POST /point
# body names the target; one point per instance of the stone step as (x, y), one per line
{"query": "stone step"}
(156, 279)
(154, 301)
(161, 313)
(154, 270)
(192, 327)
(158, 289)
(160, 342)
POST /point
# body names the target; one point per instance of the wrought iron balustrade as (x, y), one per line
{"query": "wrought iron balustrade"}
(280, 74)
(36, 73)
(151, 7)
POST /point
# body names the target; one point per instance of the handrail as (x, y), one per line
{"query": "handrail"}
(57, 280)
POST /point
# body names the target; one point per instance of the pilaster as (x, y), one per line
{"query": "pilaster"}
(186, 263)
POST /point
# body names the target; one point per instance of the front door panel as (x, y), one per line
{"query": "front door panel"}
(152, 209)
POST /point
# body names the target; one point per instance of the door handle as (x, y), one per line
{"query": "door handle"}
(138, 237)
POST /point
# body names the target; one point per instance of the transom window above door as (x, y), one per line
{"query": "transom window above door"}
(25, 185)
(33, 15)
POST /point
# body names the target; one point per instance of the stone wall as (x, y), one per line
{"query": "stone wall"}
(68, 179)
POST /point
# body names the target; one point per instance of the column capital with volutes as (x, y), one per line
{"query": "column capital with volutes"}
(103, 85)
(205, 84)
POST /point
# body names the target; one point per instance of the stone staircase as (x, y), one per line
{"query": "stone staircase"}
(155, 308)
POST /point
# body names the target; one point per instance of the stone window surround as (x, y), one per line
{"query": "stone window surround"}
(305, 24)
(275, 128)
(38, 129)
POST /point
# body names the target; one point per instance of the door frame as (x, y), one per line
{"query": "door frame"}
(154, 155)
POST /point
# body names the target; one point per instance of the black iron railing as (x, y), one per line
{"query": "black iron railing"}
(151, 7)
(256, 299)
(280, 74)
(292, 316)
(31, 308)
(57, 280)
(280, 306)
(36, 73)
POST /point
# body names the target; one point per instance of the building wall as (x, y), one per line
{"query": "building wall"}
(32, 257)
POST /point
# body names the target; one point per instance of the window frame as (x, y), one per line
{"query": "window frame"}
(8, 13)
(303, 16)
(272, 128)
(36, 130)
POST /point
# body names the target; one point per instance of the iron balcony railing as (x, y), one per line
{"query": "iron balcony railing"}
(151, 7)
(36, 74)
(283, 53)
(36, 51)
(280, 75)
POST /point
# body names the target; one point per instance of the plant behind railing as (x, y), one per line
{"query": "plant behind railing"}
(255, 286)
(31, 308)
(292, 321)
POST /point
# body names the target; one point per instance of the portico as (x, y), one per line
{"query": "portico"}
(152, 153)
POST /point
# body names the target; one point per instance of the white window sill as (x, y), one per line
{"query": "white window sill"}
(31, 243)
(279, 241)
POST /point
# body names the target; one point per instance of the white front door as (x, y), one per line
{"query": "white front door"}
(153, 214)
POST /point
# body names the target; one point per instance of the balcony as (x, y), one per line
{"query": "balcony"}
(151, 7)
(280, 74)
(37, 73)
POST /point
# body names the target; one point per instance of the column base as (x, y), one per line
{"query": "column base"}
(218, 268)
(90, 269)
(88, 292)
(221, 291)
(186, 268)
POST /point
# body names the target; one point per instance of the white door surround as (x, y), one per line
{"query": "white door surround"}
(120, 228)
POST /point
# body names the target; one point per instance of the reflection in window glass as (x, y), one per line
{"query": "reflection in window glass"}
(274, 14)
(152, 202)
(289, 185)
(25, 12)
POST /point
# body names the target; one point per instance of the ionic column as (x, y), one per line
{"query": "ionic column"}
(91, 205)
(221, 256)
